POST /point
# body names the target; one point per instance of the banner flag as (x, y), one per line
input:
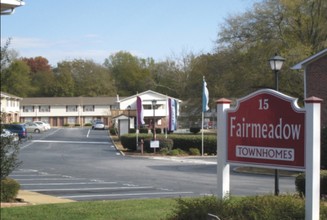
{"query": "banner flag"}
(205, 97)
(172, 103)
(139, 106)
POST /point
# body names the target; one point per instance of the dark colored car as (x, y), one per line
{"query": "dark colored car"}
(16, 128)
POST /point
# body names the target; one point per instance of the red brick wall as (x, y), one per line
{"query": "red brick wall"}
(317, 84)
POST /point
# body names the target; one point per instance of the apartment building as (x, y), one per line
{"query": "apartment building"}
(10, 107)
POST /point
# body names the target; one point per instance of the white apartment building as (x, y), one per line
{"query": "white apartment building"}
(10, 106)
(60, 111)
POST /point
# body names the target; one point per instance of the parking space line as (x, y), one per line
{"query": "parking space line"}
(88, 189)
(66, 184)
(69, 142)
(127, 194)
(88, 133)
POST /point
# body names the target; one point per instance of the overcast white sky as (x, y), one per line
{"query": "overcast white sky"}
(94, 29)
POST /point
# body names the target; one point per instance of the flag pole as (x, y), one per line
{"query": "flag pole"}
(137, 127)
(205, 107)
(167, 118)
(202, 145)
(202, 118)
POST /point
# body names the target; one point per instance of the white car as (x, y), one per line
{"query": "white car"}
(33, 127)
(8, 134)
(98, 125)
(43, 124)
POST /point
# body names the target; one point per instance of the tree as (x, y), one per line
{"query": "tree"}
(64, 83)
(15, 79)
(9, 151)
(130, 73)
(85, 78)
(293, 29)
(41, 75)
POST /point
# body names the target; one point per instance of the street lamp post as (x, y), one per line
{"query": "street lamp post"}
(129, 122)
(154, 102)
(276, 64)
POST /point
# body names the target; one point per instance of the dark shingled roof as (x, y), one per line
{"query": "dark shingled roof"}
(69, 101)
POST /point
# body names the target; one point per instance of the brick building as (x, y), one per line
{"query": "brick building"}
(315, 79)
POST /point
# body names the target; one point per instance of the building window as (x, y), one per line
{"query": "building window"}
(45, 108)
(28, 119)
(71, 108)
(88, 120)
(71, 120)
(88, 108)
(28, 108)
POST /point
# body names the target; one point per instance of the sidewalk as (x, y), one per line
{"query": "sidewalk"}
(33, 198)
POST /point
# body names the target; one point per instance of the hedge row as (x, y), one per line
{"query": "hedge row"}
(300, 183)
(250, 208)
(187, 141)
(174, 141)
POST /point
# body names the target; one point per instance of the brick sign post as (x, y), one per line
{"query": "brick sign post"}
(268, 129)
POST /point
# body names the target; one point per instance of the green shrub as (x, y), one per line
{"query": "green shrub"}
(185, 142)
(194, 151)
(129, 140)
(158, 131)
(253, 207)
(174, 152)
(87, 124)
(77, 125)
(177, 152)
(132, 130)
(195, 130)
(164, 151)
(174, 141)
(9, 189)
(112, 130)
(143, 130)
(300, 183)
(66, 125)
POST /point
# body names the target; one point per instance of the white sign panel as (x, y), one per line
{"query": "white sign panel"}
(154, 144)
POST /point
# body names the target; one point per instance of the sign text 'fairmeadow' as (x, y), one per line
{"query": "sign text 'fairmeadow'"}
(277, 130)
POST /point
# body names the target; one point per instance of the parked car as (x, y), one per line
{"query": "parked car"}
(17, 128)
(33, 127)
(8, 134)
(98, 125)
(45, 125)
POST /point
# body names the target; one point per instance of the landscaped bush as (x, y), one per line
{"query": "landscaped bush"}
(143, 130)
(87, 124)
(9, 189)
(163, 143)
(300, 183)
(77, 125)
(186, 142)
(177, 152)
(256, 207)
(195, 130)
(129, 140)
(112, 130)
(183, 142)
(195, 151)
(66, 125)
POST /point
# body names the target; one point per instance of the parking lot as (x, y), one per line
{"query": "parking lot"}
(83, 164)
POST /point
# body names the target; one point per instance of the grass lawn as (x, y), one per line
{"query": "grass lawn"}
(119, 209)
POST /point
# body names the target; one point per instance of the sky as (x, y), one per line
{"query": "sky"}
(95, 29)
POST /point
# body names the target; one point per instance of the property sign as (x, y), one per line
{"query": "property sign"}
(266, 128)
(154, 144)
